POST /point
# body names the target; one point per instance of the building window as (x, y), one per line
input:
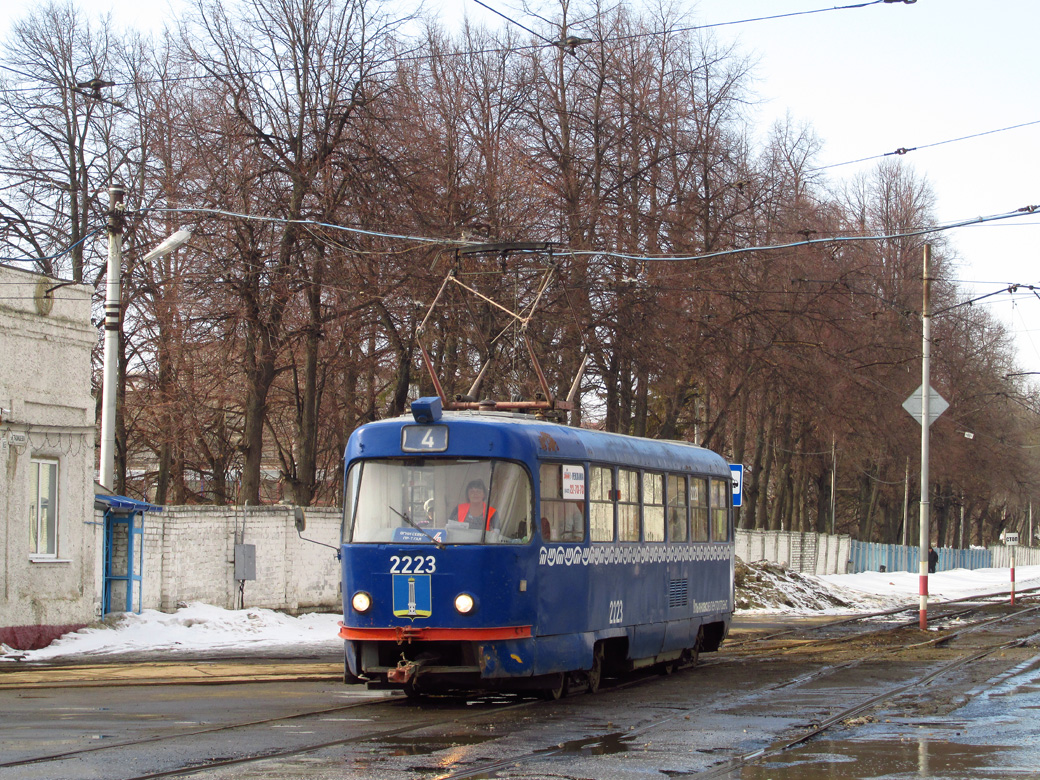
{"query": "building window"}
(43, 509)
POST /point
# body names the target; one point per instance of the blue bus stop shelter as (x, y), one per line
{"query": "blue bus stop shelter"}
(124, 551)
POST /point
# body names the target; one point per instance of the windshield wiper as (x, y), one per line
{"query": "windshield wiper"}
(407, 519)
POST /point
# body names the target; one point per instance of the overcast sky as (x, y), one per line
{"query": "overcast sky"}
(869, 81)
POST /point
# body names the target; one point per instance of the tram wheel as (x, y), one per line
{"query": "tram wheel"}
(666, 668)
(557, 691)
(411, 691)
(595, 674)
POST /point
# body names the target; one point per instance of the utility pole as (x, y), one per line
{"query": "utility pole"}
(906, 502)
(834, 476)
(113, 312)
(926, 386)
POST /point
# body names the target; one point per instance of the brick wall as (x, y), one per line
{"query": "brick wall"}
(189, 555)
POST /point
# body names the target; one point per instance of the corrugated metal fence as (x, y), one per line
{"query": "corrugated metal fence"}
(870, 556)
(828, 554)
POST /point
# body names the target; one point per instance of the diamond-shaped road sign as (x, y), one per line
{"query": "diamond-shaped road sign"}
(936, 405)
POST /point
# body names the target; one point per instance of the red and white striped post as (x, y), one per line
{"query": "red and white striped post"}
(926, 386)
(1011, 540)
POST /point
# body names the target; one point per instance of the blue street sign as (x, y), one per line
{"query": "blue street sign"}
(737, 472)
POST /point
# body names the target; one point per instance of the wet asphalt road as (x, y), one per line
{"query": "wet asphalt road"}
(978, 722)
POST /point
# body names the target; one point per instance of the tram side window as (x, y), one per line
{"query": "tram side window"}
(677, 509)
(601, 504)
(349, 502)
(562, 514)
(720, 493)
(511, 498)
(628, 505)
(699, 509)
(653, 507)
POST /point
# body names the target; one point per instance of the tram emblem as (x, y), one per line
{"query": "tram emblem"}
(413, 596)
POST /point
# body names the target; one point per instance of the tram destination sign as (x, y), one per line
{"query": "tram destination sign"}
(424, 438)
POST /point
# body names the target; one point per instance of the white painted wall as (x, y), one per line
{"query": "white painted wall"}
(809, 553)
(45, 346)
(189, 555)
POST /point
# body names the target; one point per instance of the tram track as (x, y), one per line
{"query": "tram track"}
(389, 701)
(69, 754)
(941, 615)
(867, 704)
(589, 743)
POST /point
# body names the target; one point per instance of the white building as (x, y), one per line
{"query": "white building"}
(50, 556)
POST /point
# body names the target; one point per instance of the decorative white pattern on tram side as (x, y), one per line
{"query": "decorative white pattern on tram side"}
(602, 555)
(712, 606)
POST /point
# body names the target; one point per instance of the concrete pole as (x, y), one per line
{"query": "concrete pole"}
(926, 388)
(1013, 574)
(113, 292)
(960, 533)
(834, 477)
(906, 503)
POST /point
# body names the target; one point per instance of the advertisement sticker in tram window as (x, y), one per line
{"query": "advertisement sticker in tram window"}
(424, 438)
(573, 482)
(413, 596)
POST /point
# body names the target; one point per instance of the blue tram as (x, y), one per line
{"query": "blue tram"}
(496, 550)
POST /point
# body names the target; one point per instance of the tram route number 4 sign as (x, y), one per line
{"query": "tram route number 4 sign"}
(737, 473)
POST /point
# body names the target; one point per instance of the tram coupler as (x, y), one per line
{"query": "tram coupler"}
(403, 673)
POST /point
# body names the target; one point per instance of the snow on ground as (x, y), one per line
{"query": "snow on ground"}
(196, 629)
(762, 588)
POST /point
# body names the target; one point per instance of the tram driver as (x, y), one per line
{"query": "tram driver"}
(474, 513)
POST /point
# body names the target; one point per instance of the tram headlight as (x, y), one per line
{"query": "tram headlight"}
(464, 604)
(361, 602)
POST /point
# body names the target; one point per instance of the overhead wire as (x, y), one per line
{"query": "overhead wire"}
(490, 50)
(55, 256)
(577, 252)
(906, 150)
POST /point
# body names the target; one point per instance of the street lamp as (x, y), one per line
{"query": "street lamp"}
(113, 322)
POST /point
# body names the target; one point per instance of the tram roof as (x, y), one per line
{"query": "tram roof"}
(526, 437)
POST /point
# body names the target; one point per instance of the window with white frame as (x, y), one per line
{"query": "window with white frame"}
(43, 509)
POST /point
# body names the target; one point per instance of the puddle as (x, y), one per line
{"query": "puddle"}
(423, 746)
(879, 759)
(606, 745)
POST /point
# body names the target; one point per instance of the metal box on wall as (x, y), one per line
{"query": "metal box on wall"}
(245, 562)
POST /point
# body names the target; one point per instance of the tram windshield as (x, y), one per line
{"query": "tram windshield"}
(437, 501)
